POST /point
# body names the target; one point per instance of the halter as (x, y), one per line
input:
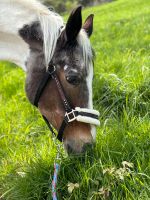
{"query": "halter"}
(84, 115)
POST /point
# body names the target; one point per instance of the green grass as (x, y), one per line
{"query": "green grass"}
(121, 40)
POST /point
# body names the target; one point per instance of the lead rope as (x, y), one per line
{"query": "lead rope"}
(56, 171)
(54, 182)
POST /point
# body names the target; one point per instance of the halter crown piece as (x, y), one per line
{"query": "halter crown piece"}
(84, 115)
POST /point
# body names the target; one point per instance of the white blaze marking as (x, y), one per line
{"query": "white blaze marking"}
(87, 56)
(89, 81)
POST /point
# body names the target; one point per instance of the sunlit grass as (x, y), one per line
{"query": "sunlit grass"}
(121, 41)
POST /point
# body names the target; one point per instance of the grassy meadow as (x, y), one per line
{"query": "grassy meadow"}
(119, 166)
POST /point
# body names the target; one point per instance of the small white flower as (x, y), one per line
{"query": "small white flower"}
(22, 174)
(104, 192)
(127, 164)
(72, 186)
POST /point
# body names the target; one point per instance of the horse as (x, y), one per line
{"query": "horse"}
(57, 58)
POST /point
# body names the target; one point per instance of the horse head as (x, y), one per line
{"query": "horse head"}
(73, 61)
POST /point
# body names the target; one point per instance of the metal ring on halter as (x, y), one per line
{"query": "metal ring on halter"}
(71, 116)
(51, 69)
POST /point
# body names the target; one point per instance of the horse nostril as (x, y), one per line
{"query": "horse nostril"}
(73, 79)
(71, 149)
(87, 147)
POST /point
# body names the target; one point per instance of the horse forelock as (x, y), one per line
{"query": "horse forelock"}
(50, 25)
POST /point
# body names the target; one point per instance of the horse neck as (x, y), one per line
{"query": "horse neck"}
(13, 49)
(14, 16)
(35, 72)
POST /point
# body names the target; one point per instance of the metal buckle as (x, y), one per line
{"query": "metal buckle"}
(51, 69)
(71, 116)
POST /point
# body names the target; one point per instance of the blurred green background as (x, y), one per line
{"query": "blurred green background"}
(66, 5)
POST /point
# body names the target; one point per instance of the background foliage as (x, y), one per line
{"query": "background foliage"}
(119, 166)
(66, 5)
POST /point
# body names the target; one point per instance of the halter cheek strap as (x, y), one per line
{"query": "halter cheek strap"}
(84, 115)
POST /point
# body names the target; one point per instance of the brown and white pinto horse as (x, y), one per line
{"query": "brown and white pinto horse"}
(32, 36)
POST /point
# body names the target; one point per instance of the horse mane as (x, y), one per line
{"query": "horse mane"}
(51, 24)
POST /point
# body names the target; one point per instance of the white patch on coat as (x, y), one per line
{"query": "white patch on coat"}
(14, 14)
(13, 49)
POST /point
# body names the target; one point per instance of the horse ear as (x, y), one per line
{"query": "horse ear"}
(31, 34)
(74, 24)
(88, 25)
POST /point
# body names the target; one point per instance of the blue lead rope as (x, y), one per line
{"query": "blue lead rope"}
(54, 182)
(57, 163)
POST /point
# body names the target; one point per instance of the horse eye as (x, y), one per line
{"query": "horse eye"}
(73, 78)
